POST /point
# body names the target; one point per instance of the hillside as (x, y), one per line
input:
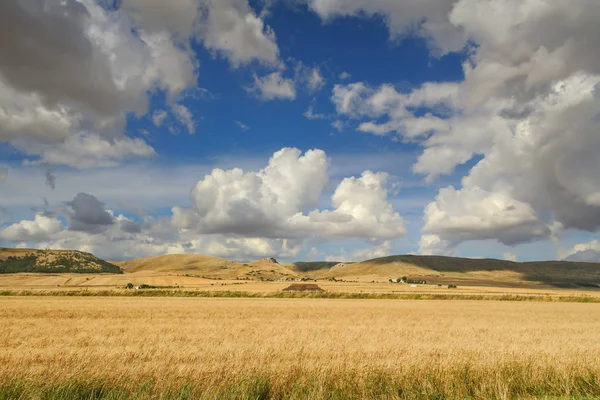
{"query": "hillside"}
(182, 263)
(466, 270)
(207, 266)
(53, 261)
(433, 269)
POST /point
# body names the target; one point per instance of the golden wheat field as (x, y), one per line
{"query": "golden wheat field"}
(114, 347)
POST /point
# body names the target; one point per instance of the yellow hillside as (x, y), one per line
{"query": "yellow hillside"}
(176, 263)
(439, 269)
(368, 271)
(214, 267)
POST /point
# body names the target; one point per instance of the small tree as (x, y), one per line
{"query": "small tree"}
(129, 285)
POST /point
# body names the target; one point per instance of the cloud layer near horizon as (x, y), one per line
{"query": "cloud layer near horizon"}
(234, 213)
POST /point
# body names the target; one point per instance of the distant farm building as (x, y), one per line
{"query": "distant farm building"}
(303, 287)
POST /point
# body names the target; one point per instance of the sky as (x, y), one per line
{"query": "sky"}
(337, 130)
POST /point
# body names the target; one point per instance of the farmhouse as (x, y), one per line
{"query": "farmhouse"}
(303, 287)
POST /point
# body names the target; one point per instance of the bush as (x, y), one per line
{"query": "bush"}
(129, 286)
(452, 286)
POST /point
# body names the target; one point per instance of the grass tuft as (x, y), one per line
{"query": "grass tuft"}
(507, 382)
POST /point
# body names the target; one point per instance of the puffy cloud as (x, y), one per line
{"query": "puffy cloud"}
(86, 213)
(131, 226)
(427, 18)
(231, 28)
(360, 209)
(235, 201)
(345, 75)
(273, 87)
(179, 16)
(75, 53)
(48, 52)
(543, 159)
(42, 227)
(435, 245)
(68, 68)
(528, 107)
(349, 99)
(584, 252)
(172, 66)
(243, 249)
(278, 202)
(358, 100)
(24, 115)
(471, 214)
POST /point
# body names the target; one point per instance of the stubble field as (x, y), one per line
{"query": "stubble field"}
(157, 347)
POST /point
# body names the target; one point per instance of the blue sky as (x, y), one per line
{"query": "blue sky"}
(303, 130)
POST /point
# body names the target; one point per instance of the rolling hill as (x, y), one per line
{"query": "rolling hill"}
(207, 266)
(433, 269)
(53, 261)
(440, 269)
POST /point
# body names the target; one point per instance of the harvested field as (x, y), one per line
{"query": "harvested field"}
(95, 282)
(295, 348)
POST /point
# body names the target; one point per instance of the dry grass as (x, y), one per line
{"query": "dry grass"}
(296, 348)
(95, 282)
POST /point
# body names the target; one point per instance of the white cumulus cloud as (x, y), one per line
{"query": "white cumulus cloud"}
(232, 28)
(528, 109)
(279, 202)
(273, 87)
